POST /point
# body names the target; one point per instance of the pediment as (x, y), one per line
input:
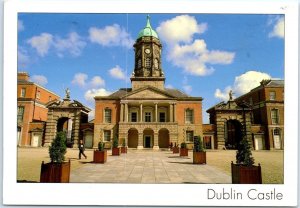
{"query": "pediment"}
(148, 93)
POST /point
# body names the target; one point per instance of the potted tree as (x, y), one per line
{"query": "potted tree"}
(199, 155)
(100, 155)
(123, 148)
(175, 148)
(57, 171)
(183, 150)
(115, 147)
(244, 171)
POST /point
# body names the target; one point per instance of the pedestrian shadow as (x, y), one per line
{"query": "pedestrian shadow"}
(89, 162)
(179, 157)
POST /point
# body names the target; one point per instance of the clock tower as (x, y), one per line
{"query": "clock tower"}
(147, 70)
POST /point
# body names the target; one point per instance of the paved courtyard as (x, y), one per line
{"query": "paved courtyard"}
(147, 166)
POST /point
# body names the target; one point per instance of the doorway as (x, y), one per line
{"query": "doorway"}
(147, 141)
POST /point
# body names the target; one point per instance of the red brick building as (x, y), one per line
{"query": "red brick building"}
(32, 111)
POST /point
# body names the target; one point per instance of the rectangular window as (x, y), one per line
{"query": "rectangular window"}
(189, 116)
(147, 116)
(274, 116)
(38, 95)
(189, 136)
(20, 113)
(106, 136)
(134, 117)
(162, 117)
(107, 115)
(23, 92)
(272, 95)
(50, 98)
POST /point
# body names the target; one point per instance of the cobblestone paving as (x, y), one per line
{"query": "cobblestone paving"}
(147, 166)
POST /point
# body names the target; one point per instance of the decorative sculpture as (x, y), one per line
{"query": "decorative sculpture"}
(67, 93)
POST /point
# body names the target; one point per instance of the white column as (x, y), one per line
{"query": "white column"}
(141, 112)
(156, 112)
(126, 112)
(122, 113)
(174, 111)
(171, 112)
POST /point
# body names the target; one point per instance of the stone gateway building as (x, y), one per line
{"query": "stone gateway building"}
(147, 115)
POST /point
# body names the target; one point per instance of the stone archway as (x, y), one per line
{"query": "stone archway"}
(133, 138)
(233, 134)
(148, 138)
(163, 138)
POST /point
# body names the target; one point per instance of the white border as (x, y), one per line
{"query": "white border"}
(141, 194)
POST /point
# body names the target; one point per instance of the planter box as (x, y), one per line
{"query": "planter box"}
(246, 175)
(123, 149)
(199, 157)
(115, 151)
(184, 152)
(175, 150)
(100, 156)
(55, 172)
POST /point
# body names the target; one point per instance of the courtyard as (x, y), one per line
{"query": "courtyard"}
(148, 166)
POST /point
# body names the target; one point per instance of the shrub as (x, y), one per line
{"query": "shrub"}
(58, 148)
(115, 142)
(198, 144)
(244, 154)
(183, 145)
(101, 146)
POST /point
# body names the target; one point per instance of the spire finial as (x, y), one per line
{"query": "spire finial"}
(148, 21)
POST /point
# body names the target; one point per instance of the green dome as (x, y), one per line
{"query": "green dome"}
(147, 31)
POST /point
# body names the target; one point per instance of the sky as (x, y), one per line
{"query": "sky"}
(203, 55)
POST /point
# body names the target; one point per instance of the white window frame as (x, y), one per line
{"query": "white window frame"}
(104, 115)
(185, 116)
(165, 116)
(136, 116)
(20, 117)
(104, 136)
(23, 92)
(277, 110)
(38, 95)
(145, 116)
(186, 136)
(272, 95)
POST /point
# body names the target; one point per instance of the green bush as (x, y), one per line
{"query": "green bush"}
(198, 144)
(116, 142)
(244, 154)
(58, 148)
(183, 145)
(101, 146)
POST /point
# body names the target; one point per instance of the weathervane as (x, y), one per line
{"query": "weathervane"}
(230, 95)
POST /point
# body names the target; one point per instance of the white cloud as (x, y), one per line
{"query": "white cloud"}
(278, 28)
(187, 88)
(23, 57)
(180, 29)
(41, 43)
(90, 94)
(72, 44)
(80, 79)
(112, 35)
(97, 81)
(169, 86)
(242, 84)
(188, 53)
(117, 72)
(39, 79)
(20, 25)
(92, 114)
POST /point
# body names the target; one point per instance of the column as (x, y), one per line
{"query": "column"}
(122, 113)
(126, 112)
(155, 145)
(171, 112)
(141, 112)
(156, 112)
(140, 141)
(174, 111)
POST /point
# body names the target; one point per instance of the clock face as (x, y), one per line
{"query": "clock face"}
(147, 50)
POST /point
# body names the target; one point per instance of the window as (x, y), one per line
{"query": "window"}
(276, 131)
(23, 92)
(162, 117)
(189, 116)
(148, 63)
(272, 95)
(189, 136)
(107, 115)
(106, 136)
(147, 116)
(139, 63)
(38, 95)
(50, 98)
(274, 116)
(20, 113)
(134, 117)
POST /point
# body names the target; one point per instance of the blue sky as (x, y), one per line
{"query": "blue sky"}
(203, 54)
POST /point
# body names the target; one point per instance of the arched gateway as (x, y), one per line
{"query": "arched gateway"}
(66, 116)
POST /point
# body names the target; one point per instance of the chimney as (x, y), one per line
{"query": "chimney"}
(23, 76)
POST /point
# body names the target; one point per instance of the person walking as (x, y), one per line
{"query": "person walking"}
(81, 149)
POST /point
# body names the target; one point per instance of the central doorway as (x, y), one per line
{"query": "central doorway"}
(147, 141)
(234, 134)
(148, 138)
